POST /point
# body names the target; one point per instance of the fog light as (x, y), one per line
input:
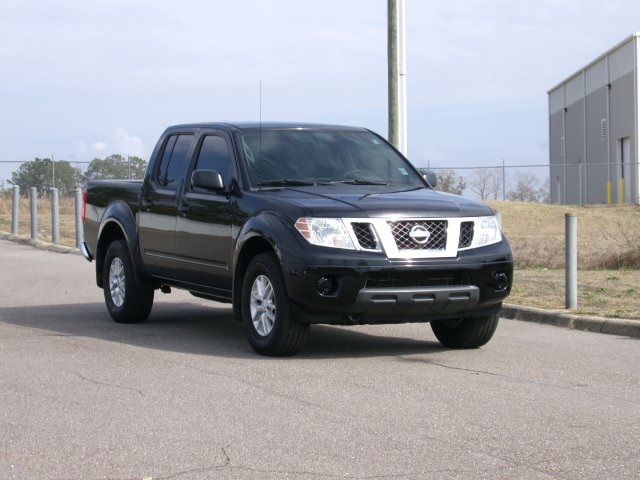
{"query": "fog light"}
(326, 285)
(501, 281)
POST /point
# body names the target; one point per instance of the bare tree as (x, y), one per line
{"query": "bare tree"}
(526, 188)
(543, 192)
(480, 182)
(495, 183)
(449, 182)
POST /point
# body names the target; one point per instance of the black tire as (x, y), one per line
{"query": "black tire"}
(287, 334)
(137, 302)
(466, 333)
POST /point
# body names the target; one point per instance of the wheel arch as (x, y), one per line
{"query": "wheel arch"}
(251, 247)
(118, 222)
(266, 232)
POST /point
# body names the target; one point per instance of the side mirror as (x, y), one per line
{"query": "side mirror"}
(207, 180)
(430, 177)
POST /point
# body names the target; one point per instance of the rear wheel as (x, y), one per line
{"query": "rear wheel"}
(125, 302)
(268, 320)
(466, 333)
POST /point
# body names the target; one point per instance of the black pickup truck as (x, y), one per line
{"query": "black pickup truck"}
(295, 224)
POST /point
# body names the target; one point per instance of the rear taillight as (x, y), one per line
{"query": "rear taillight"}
(85, 197)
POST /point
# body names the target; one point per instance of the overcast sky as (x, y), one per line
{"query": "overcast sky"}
(80, 79)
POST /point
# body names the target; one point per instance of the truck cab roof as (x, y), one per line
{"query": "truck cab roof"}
(264, 125)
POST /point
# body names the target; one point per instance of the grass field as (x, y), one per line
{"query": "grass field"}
(608, 246)
(605, 293)
(608, 236)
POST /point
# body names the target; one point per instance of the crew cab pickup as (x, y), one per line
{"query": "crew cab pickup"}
(295, 224)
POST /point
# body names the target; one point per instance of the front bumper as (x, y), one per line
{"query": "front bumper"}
(415, 300)
(383, 291)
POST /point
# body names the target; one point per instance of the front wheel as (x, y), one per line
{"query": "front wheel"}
(466, 333)
(268, 320)
(125, 301)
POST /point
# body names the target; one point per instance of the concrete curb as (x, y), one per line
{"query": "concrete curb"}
(39, 244)
(611, 326)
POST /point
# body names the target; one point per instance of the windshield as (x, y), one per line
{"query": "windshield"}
(317, 157)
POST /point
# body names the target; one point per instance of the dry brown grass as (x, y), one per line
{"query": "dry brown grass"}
(608, 236)
(605, 293)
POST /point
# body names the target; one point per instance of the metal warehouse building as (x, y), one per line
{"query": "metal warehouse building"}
(593, 130)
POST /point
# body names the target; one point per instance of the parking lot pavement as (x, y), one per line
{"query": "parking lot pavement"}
(184, 396)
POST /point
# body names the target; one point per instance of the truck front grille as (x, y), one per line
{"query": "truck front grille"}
(466, 234)
(410, 234)
(365, 236)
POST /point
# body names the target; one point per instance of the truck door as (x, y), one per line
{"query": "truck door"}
(203, 231)
(159, 206)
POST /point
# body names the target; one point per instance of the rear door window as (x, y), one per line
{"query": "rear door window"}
(173, 161)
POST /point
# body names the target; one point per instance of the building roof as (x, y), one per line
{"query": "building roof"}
(597, 59)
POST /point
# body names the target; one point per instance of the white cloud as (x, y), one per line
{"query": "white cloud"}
(98, 147)
(126, 144)
(120, 141)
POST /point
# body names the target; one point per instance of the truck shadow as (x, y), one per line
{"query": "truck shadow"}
(196, 329)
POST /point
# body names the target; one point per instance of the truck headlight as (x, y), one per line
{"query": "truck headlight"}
(487, 231)
(325, 232)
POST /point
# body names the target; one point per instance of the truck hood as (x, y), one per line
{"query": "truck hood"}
(377, 201)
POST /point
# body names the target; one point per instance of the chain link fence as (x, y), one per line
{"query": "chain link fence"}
(559, 183)
(572, 183)
(66, 176)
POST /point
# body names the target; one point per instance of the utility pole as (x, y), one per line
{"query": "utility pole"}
(397, 68)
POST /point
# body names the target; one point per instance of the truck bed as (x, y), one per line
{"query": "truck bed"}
(103, 192)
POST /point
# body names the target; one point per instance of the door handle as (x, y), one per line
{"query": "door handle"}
(147, 202)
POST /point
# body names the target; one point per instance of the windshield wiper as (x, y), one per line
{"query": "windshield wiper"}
(286, 182)
(358, 181)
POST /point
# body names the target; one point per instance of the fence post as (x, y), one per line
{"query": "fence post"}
(571, 261)
(504, 182)
(78, 211)
(15, 211)
(33, 197)
(55, 216)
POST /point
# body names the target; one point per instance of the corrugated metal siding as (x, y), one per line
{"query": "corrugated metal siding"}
(597, 76)
(556, 101)
(574, 90)
(637, 129)
(596, 171)
(621, 61)
(600, 134)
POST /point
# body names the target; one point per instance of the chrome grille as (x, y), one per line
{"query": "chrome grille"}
(466, 234)
(437, 239)
(366, 237)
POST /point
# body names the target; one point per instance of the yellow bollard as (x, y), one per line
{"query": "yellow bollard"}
(621, 195)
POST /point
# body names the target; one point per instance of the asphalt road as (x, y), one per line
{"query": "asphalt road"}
(183, 396)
